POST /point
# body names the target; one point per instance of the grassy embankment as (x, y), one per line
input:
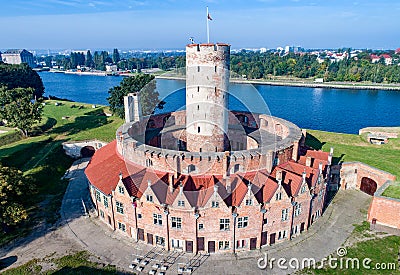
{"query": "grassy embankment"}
(363, 243)
(42, 157)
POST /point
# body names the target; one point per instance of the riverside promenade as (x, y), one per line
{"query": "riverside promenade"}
(78, 230)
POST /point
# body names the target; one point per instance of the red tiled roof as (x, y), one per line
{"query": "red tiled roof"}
(104, 168)
(385, 56)
(198, 189)
(397, 50)
(238, 191)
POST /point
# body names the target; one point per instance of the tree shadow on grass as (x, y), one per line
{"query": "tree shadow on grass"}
(7, 261)
(313, 142)
(85, 270)
(82, 123)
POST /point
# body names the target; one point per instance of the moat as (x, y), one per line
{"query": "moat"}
(336, 110)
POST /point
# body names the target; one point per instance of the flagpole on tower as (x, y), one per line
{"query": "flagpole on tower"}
(208, 28)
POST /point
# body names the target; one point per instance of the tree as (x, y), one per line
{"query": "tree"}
(89, 60)
(21, 76)
(116, 58)
(148, 96)
(18, 109)
(14, 189)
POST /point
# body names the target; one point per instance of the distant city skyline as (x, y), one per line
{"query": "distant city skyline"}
(168, 24)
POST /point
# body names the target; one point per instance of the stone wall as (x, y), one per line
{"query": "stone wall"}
(352, 173)
(383, 210)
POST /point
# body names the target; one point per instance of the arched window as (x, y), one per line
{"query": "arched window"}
(191, 168)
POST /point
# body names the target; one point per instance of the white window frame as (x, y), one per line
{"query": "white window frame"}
(149, 198)
(214, 204)
(121, 190)
(119, 207)
(278, 196)
(285, 214)
(243, 222)
(223, 245)
(105, 201)
(181, 203)
(224, 224)
(122, 226)
(157, 219)
(176, 222)
(297, 209)
(249, 202)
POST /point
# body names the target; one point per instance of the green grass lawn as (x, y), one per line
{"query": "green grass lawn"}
(43, 158)
(349, 147)
(393, 191)
(77, 263)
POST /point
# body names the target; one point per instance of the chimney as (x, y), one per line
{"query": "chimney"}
(304, 175)
(320, 167)
(215, 189)
(120, 175)
(249, 189)
(330, 156)
(279, 176)
(148, 183)
(180, 187)
(308, 161)
(171, 182)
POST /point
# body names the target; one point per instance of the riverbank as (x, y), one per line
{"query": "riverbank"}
(306, 84)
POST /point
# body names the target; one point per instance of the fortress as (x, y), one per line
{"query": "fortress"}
(208, 178)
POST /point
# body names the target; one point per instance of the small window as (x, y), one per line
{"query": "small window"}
(139, 216)
(282, 235)
(120, 207)
(214, 204)
(149, 198)
(278, 196)
(224, 224)
(303, 189)
(198, 90)
(198, 107)
(181, 203)
(121, 226)
(223, 245)
(201, 226)
(297, 210)
(157, 219)
(121, 190)
(191, 168)
(97, 194)
(285, 214)
(249, 202)
(240, 243)
(176, 222)
(265, 221)
(102, 214)
(198, 129)
(149, 162)
(198, 68)
(160, 240)
(243, 222)
(105, 200)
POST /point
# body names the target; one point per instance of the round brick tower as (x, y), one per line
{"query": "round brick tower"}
(207, 81)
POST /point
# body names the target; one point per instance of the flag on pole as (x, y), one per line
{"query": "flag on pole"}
(209, 16)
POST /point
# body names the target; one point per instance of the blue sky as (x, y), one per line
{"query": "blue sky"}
(148, 24)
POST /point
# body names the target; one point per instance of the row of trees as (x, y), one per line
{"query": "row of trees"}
(97, 61)
(21, 90)
(360, 68)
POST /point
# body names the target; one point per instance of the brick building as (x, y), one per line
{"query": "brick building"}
(208, 179)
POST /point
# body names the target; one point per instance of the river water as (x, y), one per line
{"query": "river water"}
(335, 110)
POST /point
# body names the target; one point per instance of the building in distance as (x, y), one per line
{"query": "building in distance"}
(18, 56)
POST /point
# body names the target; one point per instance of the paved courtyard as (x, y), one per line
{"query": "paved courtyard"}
(77, 231)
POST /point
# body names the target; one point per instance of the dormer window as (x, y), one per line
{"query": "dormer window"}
(121, 190)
